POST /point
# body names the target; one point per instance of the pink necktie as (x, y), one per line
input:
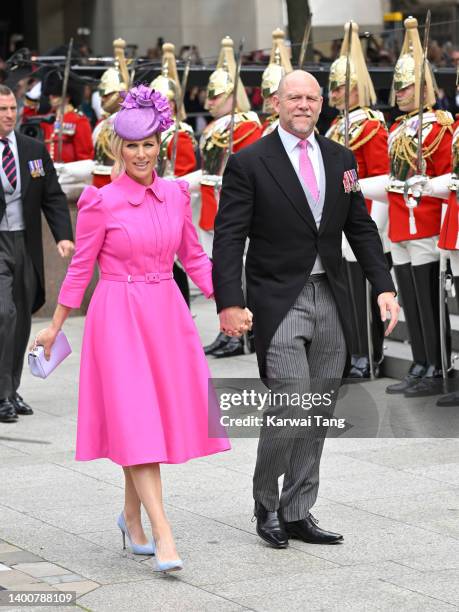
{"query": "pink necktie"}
(307, 170)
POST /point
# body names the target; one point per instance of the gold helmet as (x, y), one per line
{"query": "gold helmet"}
(114, 79)
(408, 67)
(167, 83)
(279, 64)
(359, 75)
(221, 81)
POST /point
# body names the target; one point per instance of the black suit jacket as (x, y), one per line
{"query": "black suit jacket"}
(263, 199)
(41, 194)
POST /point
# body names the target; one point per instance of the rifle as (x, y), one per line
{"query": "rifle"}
(61, 111)
(179, 104)
(304, 44)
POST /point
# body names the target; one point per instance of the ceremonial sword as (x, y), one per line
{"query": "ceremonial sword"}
(234, 104)
(179, 103)
(304, 44)
(416, 183)
(61, 111)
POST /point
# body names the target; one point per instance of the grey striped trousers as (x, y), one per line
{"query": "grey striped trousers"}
(307, 348)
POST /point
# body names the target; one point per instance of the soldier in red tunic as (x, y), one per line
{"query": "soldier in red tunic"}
(414, 231)
(368, 142)
(76, 129)
(214, 151)
(446, 187)
(168, 84)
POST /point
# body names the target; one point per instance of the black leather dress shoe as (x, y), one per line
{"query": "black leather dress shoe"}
(360, 369)
(430, 384)
(234, 347)
(269, 527)
(452, 399)
(416, 372)
(20, 405)
(7, 412)
(218, 343)
(308, 531)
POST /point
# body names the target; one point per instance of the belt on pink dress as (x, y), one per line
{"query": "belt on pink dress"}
(150, 277)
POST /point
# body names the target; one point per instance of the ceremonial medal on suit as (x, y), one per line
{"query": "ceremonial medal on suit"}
(36, 168)
(351, 181)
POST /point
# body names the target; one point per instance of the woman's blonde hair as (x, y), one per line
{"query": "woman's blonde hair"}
(116, 145)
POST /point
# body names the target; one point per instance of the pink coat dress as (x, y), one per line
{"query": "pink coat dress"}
(144, 380)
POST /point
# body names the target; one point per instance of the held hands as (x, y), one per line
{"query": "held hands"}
(235, 321)
(388, 304)
(65, 248)
(45, 338)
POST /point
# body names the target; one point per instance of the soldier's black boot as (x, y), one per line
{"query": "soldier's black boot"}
(426, 286)
(407, 294)
(360, 368)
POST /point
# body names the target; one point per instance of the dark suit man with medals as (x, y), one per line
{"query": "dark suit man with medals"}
(28, 187)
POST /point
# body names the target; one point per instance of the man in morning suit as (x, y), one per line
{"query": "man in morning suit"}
(28, 186)
(292, 194)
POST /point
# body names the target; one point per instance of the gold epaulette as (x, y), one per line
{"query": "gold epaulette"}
(246, 117)
(374, 115)
(444, 117)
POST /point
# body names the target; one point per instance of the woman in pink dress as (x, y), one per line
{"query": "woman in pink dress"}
(143, 400)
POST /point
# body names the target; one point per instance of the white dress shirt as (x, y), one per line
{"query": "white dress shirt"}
(290, 143)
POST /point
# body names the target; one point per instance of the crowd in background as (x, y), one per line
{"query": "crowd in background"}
(379, 52)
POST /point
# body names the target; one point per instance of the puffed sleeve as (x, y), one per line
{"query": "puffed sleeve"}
(190, 252)
(90, 234)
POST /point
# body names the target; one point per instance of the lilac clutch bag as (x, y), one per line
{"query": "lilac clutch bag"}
(41, 367)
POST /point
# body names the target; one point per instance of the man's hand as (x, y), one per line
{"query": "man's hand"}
(65, 248)
(388, 303)
(235, 321)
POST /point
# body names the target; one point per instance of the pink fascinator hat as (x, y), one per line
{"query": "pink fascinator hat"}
(143, 112)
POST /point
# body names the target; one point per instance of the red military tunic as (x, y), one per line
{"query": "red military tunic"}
(76, 138)
(436, 146)
(449, 235)
(367, 140)
(214, 146)
(185, 160)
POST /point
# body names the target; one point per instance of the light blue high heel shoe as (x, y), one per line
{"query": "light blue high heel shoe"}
(167, 566)
(137, 549)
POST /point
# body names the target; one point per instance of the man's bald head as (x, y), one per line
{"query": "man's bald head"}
(298, 101)
(296, 77)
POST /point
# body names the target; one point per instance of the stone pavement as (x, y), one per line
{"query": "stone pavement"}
(395, 500)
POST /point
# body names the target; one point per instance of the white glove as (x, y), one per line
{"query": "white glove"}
(193, 179)
(374, 187)
(438, 187)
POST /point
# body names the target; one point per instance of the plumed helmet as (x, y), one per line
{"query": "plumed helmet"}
(359, 75)
(279, 65)
(408, 67)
